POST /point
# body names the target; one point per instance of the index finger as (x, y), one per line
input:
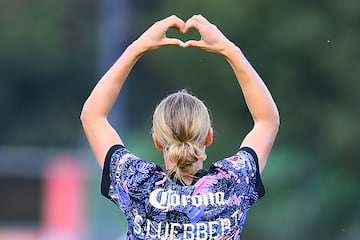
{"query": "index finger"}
(196, 21)
(173, 22)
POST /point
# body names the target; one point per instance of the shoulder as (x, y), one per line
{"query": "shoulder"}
(119, 157)
(119, 154)
(123, 167)
(242, 168)
(245, 158)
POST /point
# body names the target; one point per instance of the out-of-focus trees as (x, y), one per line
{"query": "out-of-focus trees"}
(47, 57)
(306, 51)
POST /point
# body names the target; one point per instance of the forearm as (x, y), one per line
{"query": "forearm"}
(257, 96)
(105, 93)
(99, 132)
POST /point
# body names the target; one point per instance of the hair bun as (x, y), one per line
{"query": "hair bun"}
(185, 154)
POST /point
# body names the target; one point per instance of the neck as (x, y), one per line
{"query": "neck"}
(188, 180)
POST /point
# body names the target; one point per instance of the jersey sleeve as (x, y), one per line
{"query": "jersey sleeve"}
(127, 178)
(243, 167)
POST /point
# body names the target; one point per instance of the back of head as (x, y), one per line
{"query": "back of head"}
(181, 123)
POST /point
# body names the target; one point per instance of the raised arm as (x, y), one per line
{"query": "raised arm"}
(99, 132)
(257, 97)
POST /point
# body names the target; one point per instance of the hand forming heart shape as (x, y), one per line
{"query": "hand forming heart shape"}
(191, 34)
(211, 38)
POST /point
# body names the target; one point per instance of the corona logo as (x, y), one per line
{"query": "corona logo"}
(169, 199)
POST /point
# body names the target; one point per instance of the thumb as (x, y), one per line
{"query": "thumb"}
(192, 43)
(174, 42)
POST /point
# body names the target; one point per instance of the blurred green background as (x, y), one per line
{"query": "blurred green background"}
(52, 54)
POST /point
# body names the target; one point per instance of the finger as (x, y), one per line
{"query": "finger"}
(174, 22)
(198, 22)
(193, 43)
(173, 42)
(201, 19)
(192, 23)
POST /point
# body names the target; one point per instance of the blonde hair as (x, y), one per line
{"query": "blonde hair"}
(181, 123)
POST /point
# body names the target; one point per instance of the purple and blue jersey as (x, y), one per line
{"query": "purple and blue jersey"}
(214, 207)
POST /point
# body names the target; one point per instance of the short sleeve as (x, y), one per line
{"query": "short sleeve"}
(243, 167)
(127, 178)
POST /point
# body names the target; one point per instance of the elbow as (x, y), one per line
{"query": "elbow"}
(276, 122)
(277, 119)
(87, 121)
(272, 123)
(89, 118)
(274, 118)
(85, 117)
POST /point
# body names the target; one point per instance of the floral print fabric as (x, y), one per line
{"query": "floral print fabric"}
(215, 207)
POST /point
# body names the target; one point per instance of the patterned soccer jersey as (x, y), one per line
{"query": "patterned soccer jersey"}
(215, 207)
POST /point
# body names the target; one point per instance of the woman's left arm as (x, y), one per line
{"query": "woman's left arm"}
(257, 96)
(99, 132)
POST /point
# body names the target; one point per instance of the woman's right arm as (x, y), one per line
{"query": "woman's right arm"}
(258, 98)
(99, 132)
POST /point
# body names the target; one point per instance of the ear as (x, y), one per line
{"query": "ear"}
(209, 137)
(156, 142)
